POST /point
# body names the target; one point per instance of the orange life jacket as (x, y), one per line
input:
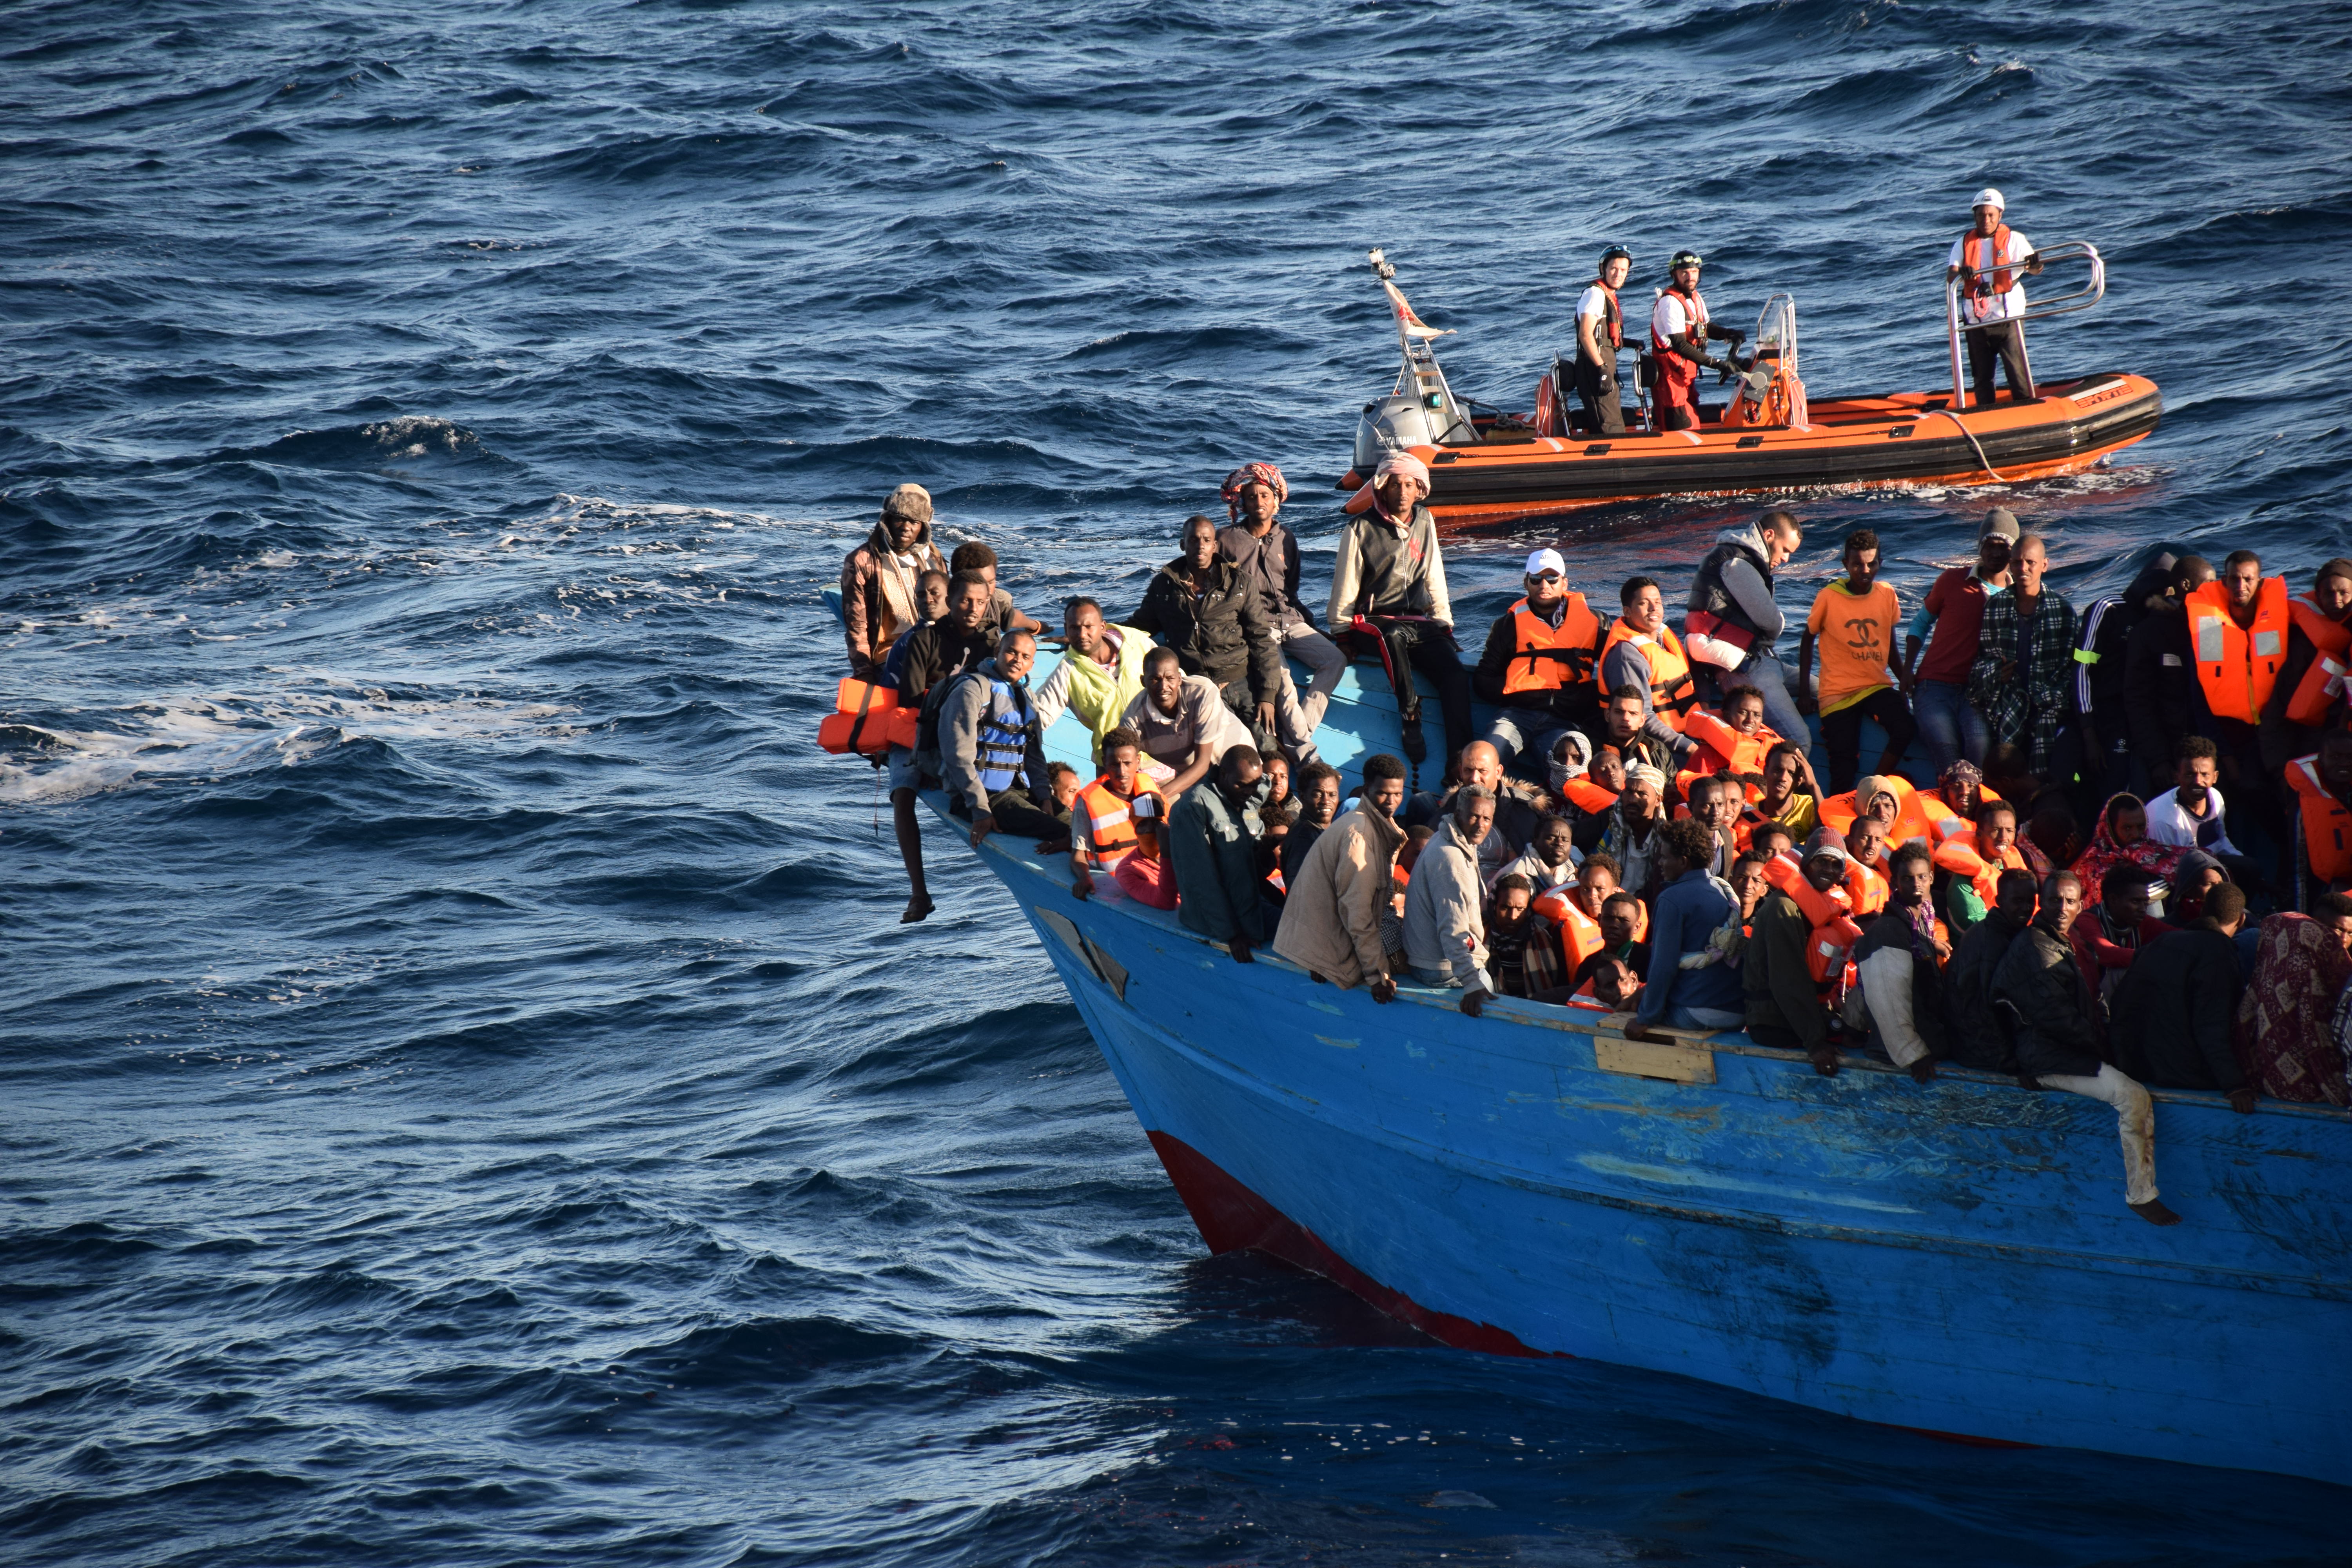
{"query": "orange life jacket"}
(2323, 684)
(2237, 666)
(1982, 251)
(866, 720)
(1868, 887)
(1580, 933)
(1672, 693)
(2326, 826)
(1725, 748)
(1944, 824)
(1543, 659)
(1913, 818)
(1693, 328)
(1587, 796)
(1111, 832)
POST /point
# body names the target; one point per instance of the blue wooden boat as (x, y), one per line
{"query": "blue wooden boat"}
(1954, 1258)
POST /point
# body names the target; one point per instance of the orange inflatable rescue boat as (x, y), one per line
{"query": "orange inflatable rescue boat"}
(1766, 433)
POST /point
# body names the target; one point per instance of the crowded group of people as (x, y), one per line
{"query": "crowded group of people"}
(1638, 829)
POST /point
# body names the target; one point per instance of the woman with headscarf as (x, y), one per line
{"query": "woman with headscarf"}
(2284, 1036)
(2122, 839)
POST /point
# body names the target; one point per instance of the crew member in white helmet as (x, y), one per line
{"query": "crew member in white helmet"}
(1992, 260)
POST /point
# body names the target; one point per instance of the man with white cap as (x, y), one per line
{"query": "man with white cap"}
(1389, 600)
(1988, 259)
(1538, 667)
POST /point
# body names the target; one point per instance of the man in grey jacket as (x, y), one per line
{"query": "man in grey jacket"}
(992, 751)
(1388, 583)
(1446, 906)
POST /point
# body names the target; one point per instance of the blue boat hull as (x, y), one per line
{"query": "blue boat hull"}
(1954, 1257)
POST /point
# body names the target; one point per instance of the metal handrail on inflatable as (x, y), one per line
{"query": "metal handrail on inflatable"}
(2082, 298)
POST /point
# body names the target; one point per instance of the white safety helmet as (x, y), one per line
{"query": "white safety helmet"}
(1989, 198)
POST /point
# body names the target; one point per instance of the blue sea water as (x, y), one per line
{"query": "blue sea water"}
(466, 1098)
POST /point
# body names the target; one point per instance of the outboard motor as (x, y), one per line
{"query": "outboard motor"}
(1391, 424)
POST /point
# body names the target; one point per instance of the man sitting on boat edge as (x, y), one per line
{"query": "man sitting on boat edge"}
(1389, 599)
(1330, 924)
(1445, 907)
(1538, 667)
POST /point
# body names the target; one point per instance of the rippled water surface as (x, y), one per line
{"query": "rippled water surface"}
(467, 1100)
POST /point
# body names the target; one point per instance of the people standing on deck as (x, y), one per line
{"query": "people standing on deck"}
(1444, 908)
(2161, 702)
(934, 655)
(1853, 622)
(2322, 785)
(1213, 835)
(1389, 602)
(1949, 723)
(1731, 622)
(880, 599)
(1538, 667)
(1267, 554)
(2238, 628)
(2310, 689)
(2024, 678)
(1599, 338)
(992, 750)
(1679, 333)
(1992, 261)
(1099, 674)
(1330, 924)
(1641, 650)
(2102, 643)
(1201, 606)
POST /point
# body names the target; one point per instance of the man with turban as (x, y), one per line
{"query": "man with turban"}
(1389, 600)
(1267, 554)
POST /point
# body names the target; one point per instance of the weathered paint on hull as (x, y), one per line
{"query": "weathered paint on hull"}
(1954, 1258)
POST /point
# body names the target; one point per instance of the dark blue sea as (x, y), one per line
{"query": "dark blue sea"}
(464, 1097)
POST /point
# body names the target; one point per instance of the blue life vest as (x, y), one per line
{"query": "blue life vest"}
(1003, 737)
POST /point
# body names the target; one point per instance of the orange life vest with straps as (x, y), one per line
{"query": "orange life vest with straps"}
(1959, 856)
(1544, 659)
(1866, 885)
(1983, 254)
(2326, 826)
(866, 720)
(1830, 914)
(1672, 693)
(2237, 666)
(1580, 933)
(2323, 684)
(1725, 748)
(1587, 796)
(1693, 328)
(1111, 820)
(1913, 817)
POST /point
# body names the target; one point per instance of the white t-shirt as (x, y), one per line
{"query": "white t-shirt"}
(2168, 824)
(1999, 307)
(1669, 317)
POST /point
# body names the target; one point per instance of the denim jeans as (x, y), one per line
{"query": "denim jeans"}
(1528, 729)
(1681, 1017)
(1763, 671)
(1949, 724)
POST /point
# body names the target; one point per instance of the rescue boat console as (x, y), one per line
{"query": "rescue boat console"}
(1487, 467)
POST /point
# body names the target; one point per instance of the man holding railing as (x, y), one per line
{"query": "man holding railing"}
(1988, 259)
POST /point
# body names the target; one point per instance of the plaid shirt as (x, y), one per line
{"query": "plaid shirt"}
(2028, 712)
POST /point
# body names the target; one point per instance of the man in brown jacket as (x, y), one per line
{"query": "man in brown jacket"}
(1331, 914)
(878, 594)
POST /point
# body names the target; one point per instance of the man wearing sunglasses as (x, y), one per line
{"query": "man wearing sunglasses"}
(1538, 664)
(1679, 332)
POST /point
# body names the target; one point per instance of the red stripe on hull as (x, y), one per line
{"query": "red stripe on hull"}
(1232, 1218)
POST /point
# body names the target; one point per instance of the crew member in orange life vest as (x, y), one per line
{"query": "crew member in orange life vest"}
(1679, 332)
(1987, 260)
(1538, 667)
(1600, 335)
